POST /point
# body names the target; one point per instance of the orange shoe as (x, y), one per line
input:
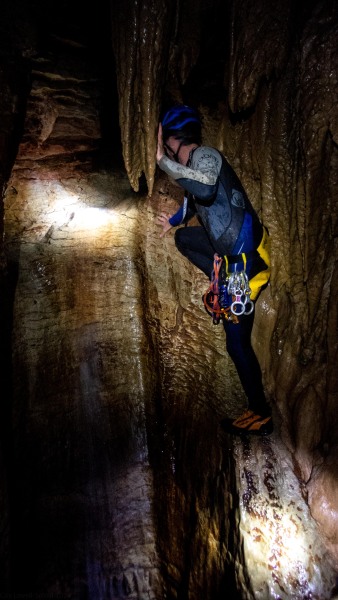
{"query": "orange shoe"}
(248, 423)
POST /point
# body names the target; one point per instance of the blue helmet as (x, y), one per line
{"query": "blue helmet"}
(183, 123)
(178, 116)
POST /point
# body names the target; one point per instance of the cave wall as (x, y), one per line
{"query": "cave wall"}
(298, 170)
(265, 81)
(275, 119)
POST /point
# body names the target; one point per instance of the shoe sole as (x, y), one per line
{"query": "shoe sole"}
(264, 430)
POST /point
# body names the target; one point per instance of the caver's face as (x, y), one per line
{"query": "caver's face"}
(171, 148)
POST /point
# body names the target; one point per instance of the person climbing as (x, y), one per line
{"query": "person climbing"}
(230, 246)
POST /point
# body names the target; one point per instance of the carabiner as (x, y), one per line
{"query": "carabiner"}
(251, 306)
(237, 303)
(238, 287)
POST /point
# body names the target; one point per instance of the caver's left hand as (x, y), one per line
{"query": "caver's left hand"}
(163, 220)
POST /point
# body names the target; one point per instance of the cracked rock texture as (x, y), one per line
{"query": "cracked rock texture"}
(116, 481)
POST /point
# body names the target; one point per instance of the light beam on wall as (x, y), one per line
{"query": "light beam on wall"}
(52, 211)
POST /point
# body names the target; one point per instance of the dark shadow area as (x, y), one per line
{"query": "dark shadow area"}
(73, 31)
(8, 282)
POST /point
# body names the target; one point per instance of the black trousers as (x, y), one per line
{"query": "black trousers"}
(195, 245)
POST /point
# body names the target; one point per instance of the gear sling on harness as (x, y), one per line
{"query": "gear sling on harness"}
(231, 294)
(236, 285)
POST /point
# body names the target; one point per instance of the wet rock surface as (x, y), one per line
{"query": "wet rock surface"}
(80, 393)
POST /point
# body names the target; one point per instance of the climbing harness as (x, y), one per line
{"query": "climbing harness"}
(235, 285)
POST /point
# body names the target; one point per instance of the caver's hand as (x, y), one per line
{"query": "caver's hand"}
(163, 220)
(160, 148)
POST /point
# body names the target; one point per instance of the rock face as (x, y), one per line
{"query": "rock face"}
(81, 465)
(116, 480)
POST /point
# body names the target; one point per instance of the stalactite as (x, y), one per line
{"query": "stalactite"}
(185, 44)
(141, 34)
(259, 34)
